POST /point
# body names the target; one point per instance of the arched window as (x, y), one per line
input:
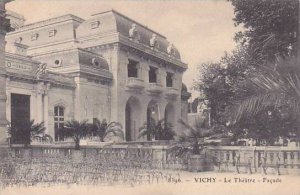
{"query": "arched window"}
(59, 120)
(169, 79)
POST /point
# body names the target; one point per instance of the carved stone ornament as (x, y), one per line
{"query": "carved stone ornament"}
(133, 33)
(170, 49)
(95, 62)
(153, 41)
(41, 70)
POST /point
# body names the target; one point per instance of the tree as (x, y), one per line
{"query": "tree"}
(268, 37)
(220, 82)
(193, 140)
(276, 93)
(161, 130)
(270, 28)
(104, 130)
(28, 132)
(77, 130)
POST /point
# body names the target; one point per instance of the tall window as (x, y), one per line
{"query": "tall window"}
(132, 68)
(169, 79)
(152, 75)
(58, 122)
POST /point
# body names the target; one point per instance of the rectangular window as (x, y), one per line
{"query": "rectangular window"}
(95, 24)
(132, 68)
(34, 37)
(169, 79)
(152, 75)
(58, 122)
(52, 33)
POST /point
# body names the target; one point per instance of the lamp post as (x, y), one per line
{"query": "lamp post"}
(208, 109)
(209, 117)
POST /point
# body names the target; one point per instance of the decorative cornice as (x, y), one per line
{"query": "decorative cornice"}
(45, 78)
(22, 58)
(154, 55)
(69, 41)
(49, 22)
(111, 38)
(82, 69)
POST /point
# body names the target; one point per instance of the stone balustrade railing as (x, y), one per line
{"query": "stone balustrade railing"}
(161, 157)
(287, 158)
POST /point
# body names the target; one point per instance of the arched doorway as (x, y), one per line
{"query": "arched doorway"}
(170, 114)
(152, 114)
(132, 118)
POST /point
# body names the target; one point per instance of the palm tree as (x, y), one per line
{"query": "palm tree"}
(104, 130)
(193, 140)
(28, 132)
(162, 130)
(273, 89)
(77, 130)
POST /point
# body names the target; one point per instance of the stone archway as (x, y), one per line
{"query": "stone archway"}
(153, 114)
(132, 118)
(170, 114)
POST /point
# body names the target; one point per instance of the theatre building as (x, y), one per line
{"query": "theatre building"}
(106, 67)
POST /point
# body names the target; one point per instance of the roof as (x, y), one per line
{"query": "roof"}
(127, 18)
(51, 21)
(114, 22)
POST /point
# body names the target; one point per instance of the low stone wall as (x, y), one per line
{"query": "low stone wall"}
(137, 155)
(159, 156)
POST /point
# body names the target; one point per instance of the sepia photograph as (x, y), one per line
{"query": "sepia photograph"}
(148, 97)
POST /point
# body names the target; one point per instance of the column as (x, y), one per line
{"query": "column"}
(158, 76)
(39, 103)
(33, 106)
(175, 81)
(77, 99)
(163, 78)
(46, 108)
(114, 62)
(140, 71)
(146, 69)
(8, 101)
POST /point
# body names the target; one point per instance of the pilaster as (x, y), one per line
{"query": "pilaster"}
(3, 98)
(46, 107)
(39, 103)
(8, 100)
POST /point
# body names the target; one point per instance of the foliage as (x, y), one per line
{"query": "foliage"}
(247, 94)
(77, 130)
(104, 130)
(162, 130)
(193, 140)
(275, 99)
(259, 76)
(221, 82)
(28, 132)
(270, 27)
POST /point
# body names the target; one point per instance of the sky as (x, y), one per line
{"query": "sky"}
(202, 30)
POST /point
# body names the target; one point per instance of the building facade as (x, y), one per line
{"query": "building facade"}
(4, 25)
(106, 67)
